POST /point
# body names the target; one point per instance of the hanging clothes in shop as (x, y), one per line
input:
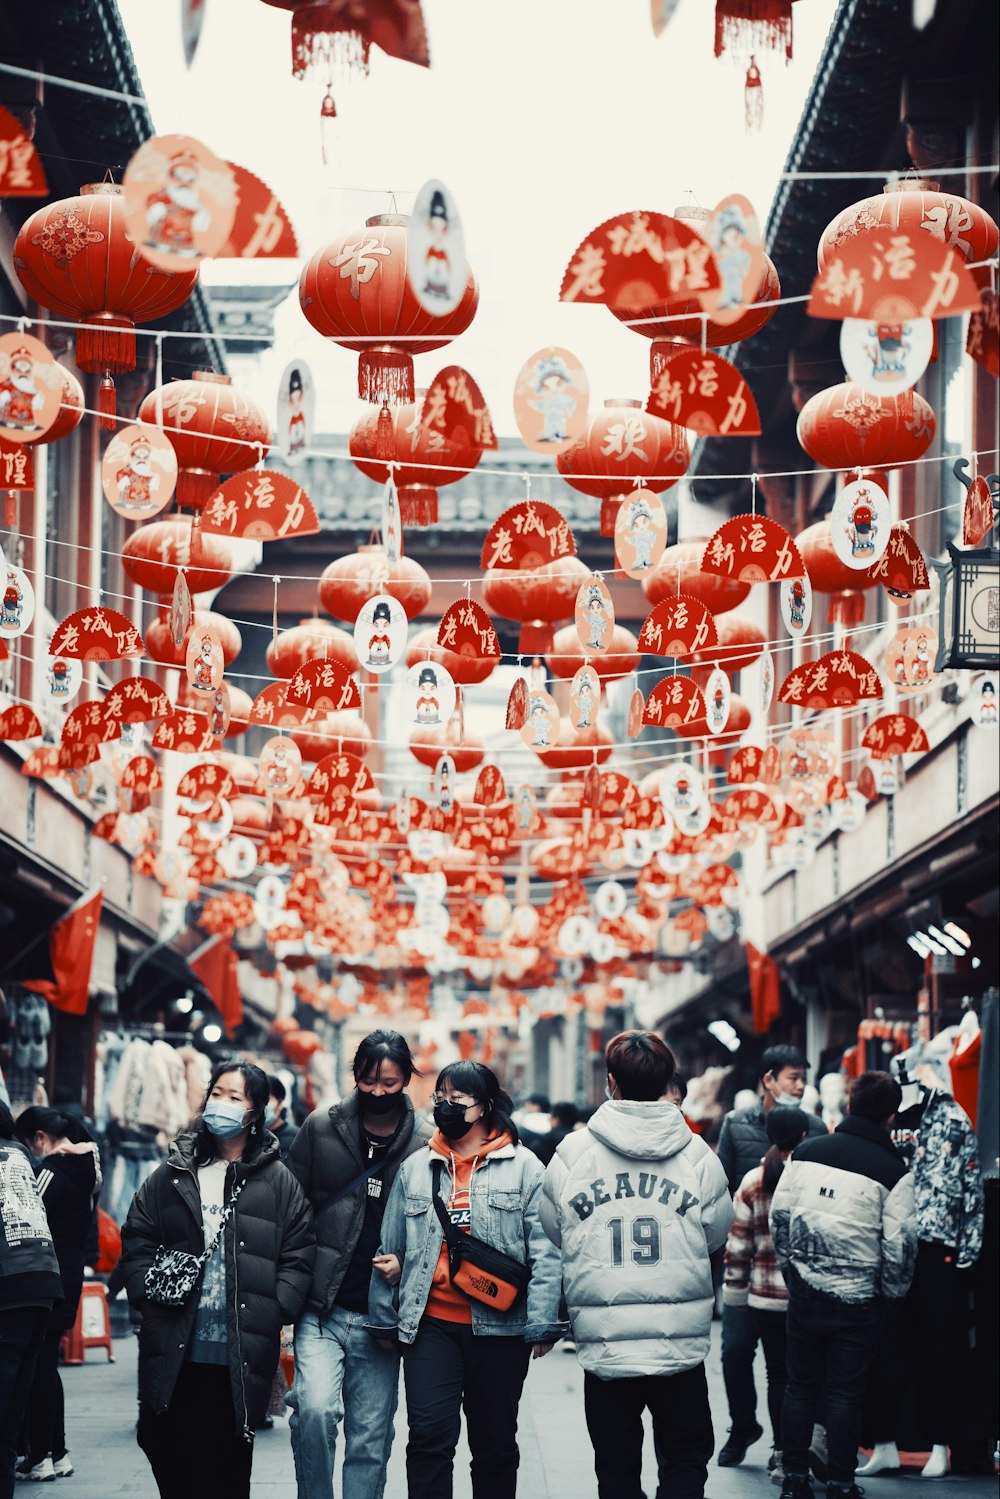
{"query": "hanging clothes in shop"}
(964, 1064)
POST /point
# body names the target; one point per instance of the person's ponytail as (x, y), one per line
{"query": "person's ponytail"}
(774, 1165)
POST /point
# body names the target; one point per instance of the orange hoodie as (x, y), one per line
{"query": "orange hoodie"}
(444, 1301)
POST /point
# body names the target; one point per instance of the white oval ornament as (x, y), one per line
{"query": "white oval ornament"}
(595, 616)
(139, 471)
(269, 901)
(524, 922)
(637, 855)
(860, 523)
(885, 358)
(63, 678)
(672, 864)
(681, 789)
(431, 694)
(432, 917)
(380, 633)
(17, 608)
(496, 912)
(576, 934)
(585, 698)
(696, 820)
(238, 857)
(280, 763)
(718, 699)
(436, 263)
(541, 724)
(849, 811)
(603, 948)
(795, 597)
(766, 680)
(610, 900)
(296, 411)
(640, 533)
(721, 922)
(984, 704)
(444, 783)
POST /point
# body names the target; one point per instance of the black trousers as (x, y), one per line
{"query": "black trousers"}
(195, 1449)
(771, 1330)
(46, 1408)
(934, 1314)
(21, 1332)
(830, 1347)
(445, 1370)
(739, 1344)
(682, 1427)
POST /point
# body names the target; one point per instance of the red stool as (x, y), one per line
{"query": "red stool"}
(92, 1328)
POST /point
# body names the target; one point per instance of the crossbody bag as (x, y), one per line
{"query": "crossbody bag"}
(174, 1273)
(479, 1271)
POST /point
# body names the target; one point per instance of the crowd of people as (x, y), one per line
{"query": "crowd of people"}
(463, 1247)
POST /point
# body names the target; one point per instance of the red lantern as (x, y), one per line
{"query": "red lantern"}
(76, 258)
(467, 670)
(624, 446)
(741, 641)
(160, 640)
(846, 428)
(427, 460)
(828, 574)
(213, 428)
(346, 585)
(679, 571)
(356, 290)
(154, 554)
(312, 639)
(619, 657)
(344, 732)
(578, 749)
(428, 745)
(70, 410)
(918, 208)
(299, 1046)
(331, 36)
(717, 335)
(537, 598)
(736, 724)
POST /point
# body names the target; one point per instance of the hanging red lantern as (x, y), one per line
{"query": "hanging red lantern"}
(76, 259)
(356, 292)
(70, 410)
(428, 745)
(347, 584)
(624, 446)
(619, 657)
(312, 639)
(847, 428)
(154, 554)
(679, 571)
(535, 599)
(214, 429)
(466, 670)
(741, 641)
(344, 732)
(828, 574)
(426, 459)
(917, 207)
(717, 335)
(736, 724)
(334, 37)
(299, 1046)
(578, 749)
(160, 645)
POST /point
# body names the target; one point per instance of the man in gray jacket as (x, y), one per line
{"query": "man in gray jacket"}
(638, 1203)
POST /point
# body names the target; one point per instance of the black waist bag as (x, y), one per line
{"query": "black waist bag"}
(477, 1269)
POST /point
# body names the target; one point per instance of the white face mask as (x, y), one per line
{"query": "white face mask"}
(783, 1099)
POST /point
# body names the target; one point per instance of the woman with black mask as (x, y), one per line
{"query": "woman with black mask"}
(459, 1350)
(346, 1158)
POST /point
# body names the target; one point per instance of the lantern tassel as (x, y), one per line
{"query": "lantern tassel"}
(107, 345)
(418, 505)
(385, 377)
(107, 404)
(385, 444)
(195, 487)
(609, 514)
(846, 608)
(328, 128)
(10, 510)
(753, 98)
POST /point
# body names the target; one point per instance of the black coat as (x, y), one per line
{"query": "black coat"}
(68, 1184)
(744, 1142)
(326, 1157)
(269, 1247)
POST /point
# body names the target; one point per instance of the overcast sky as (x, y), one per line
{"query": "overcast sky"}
(544, 117)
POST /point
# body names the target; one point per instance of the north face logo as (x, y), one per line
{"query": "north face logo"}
(481, 1283)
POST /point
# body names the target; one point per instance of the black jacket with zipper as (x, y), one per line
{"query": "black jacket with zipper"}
(269, 1246)
(326, 1157)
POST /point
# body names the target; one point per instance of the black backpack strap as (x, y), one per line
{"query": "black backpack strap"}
(452, 1235)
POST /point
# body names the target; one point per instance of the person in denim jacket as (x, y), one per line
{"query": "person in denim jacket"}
(456, 1351)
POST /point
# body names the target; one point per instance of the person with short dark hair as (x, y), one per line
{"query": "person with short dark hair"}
(638, 1203)
(274, 1115)
(205, 1368)
(843, 1225)
(563, 1118)
(346, 1158)
(743, 1142)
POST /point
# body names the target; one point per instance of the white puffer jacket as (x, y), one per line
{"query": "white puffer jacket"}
(638, 1203)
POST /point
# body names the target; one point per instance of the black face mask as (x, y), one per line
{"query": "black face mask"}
(384, 1103)
(451, 1121)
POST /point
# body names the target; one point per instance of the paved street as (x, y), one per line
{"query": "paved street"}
(556, 1459)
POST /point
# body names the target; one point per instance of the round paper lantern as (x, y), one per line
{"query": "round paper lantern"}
(249, 816)
(741, 641)
(567, 655)
(466, 670)
(154, 554)
(578, 749)
(428, 745)
(679, 571)
(736, 724)
(70, 410)
(299, 1046)
(827, 573)
(535, 599)
(214, 429)
(624, 446)
(76, 258)
(717, 335)
(346, 585)
(846, 428)
(917, 207)
(160, 641)
(427, 460)
(306, 641)
(335, 733)
(356, 289)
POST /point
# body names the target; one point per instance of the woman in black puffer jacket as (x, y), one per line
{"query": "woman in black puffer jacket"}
(205, 1368)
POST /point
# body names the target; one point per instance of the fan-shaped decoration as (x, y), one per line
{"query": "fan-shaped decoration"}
(977, 513)
(88, 725)
(140, 777)
(206, 783)
(639, 263)
(466, 670)
(677, 627)
(213, 427)
(21, 172)
(893, 276)
(346, 585)
(895, 734)
(673, 701)
(901, 568)
(527, 536)
(517, 705)
(467, 630)
(271, 708)
(850, 665)
(19, 721)
(262, 506)
(96, 634)
(136, 700)
(982, 342)
(686, 321)
(745, 765)
(706, 394)
(323, 686)
(356, 288)
(847, 428)
(261, 227)
(752, 549)
(455, 411)
(43, 763)
(185, 731)
(343, 772)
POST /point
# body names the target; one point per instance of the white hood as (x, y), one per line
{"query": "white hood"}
(645, 1131)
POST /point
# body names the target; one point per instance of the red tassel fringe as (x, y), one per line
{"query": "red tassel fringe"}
(385, 377)
(107, 405)
(109, 349)
(10, 509)
(661, 351)
(535, 639)
(195, 487)
(609, 514)
(385, 435)
(323, 39)
(418, 505)
(753, 26)
(846, 608)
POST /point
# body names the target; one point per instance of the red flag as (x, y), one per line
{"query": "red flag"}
(765, 989)
(71, 955)
(215, 964)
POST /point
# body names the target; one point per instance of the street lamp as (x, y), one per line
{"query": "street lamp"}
(969, 616)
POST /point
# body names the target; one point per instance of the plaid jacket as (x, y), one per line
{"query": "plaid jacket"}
(752, 1274)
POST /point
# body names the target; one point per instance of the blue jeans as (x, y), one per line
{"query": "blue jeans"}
(341, 1373)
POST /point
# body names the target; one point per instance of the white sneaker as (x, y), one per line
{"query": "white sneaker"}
(42, 1472)
(62, 1467)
